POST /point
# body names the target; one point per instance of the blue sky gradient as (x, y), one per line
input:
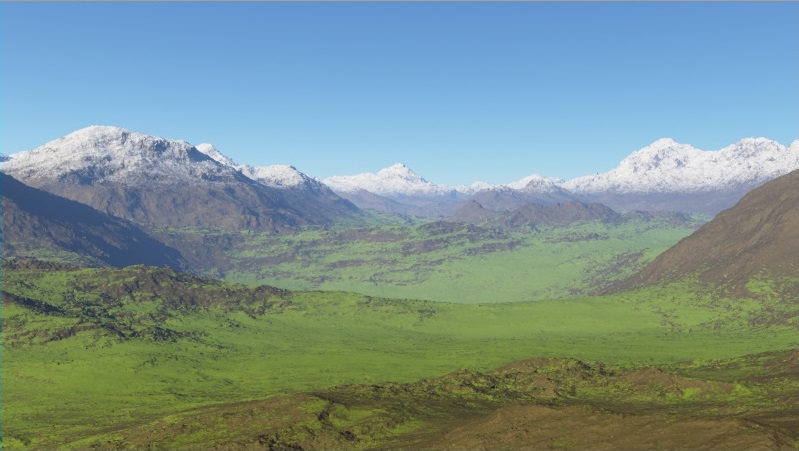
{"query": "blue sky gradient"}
(457, 91)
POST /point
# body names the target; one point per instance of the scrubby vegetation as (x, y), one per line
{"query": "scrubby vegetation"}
(141, 357)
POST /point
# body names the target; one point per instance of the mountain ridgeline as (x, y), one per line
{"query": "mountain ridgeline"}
(664, 176)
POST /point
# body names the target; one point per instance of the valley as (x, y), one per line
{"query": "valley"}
(158, 295)
(437, 260)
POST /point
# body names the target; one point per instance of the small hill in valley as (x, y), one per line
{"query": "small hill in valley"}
(535, 215)
(759, 235)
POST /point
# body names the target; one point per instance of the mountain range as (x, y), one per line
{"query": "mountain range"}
(665, 175)
(159, 182)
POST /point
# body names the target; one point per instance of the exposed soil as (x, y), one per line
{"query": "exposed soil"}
(759, 235)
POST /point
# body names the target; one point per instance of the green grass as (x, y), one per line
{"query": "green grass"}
(463, 264)
(96, 361)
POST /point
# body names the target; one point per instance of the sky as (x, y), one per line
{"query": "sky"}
(458, 91)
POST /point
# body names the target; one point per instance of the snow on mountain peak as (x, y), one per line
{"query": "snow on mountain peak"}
(278, 176)
(663, 143)
(400, 171)
(536, 183)
(275, 176)
(667, 166)
(98, 154)
(212, 152)
(394, 180)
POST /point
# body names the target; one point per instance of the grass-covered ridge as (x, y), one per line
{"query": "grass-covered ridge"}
(126, 347)
(439, 260)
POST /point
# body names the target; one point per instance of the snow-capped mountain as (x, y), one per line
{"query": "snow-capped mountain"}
(167, 183)
(275, 176)
(667, 175)
(536, 183)
(102, 154)
(666, 166)
(399, 180)
(664, 175)
(391, 188)
(395, 180)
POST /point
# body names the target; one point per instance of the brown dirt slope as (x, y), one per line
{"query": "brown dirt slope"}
(760, 234)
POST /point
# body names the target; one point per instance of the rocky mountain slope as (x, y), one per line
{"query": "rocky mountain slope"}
(165, 183)
(297, 187)
(758, 236)
(36, 221)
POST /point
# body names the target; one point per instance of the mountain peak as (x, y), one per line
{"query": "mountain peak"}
(666, 166)
(394, 180)
(100, 130)
(98, 154)
(399, 170)
(663, 143)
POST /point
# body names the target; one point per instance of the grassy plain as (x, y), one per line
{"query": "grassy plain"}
(92, 352)
(449, 262)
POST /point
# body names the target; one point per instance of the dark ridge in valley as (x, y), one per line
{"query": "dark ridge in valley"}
(708, 203)
(530, 216)
(218, 205)
(759, 236)
(35, 220)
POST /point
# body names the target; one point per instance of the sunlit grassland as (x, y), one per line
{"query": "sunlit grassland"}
(463, 265)
(60, 388)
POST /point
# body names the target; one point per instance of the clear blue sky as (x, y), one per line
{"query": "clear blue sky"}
(457, 91)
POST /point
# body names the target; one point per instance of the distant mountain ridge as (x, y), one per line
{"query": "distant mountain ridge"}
(667, 166)
(665, 175)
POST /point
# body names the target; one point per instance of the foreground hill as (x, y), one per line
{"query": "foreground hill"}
(165, 183)
(151, 358)
(38, 223)
(758, 236)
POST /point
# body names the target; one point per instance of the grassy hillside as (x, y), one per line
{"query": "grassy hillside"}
(530, 404)
(89, 353)
(441, 261)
